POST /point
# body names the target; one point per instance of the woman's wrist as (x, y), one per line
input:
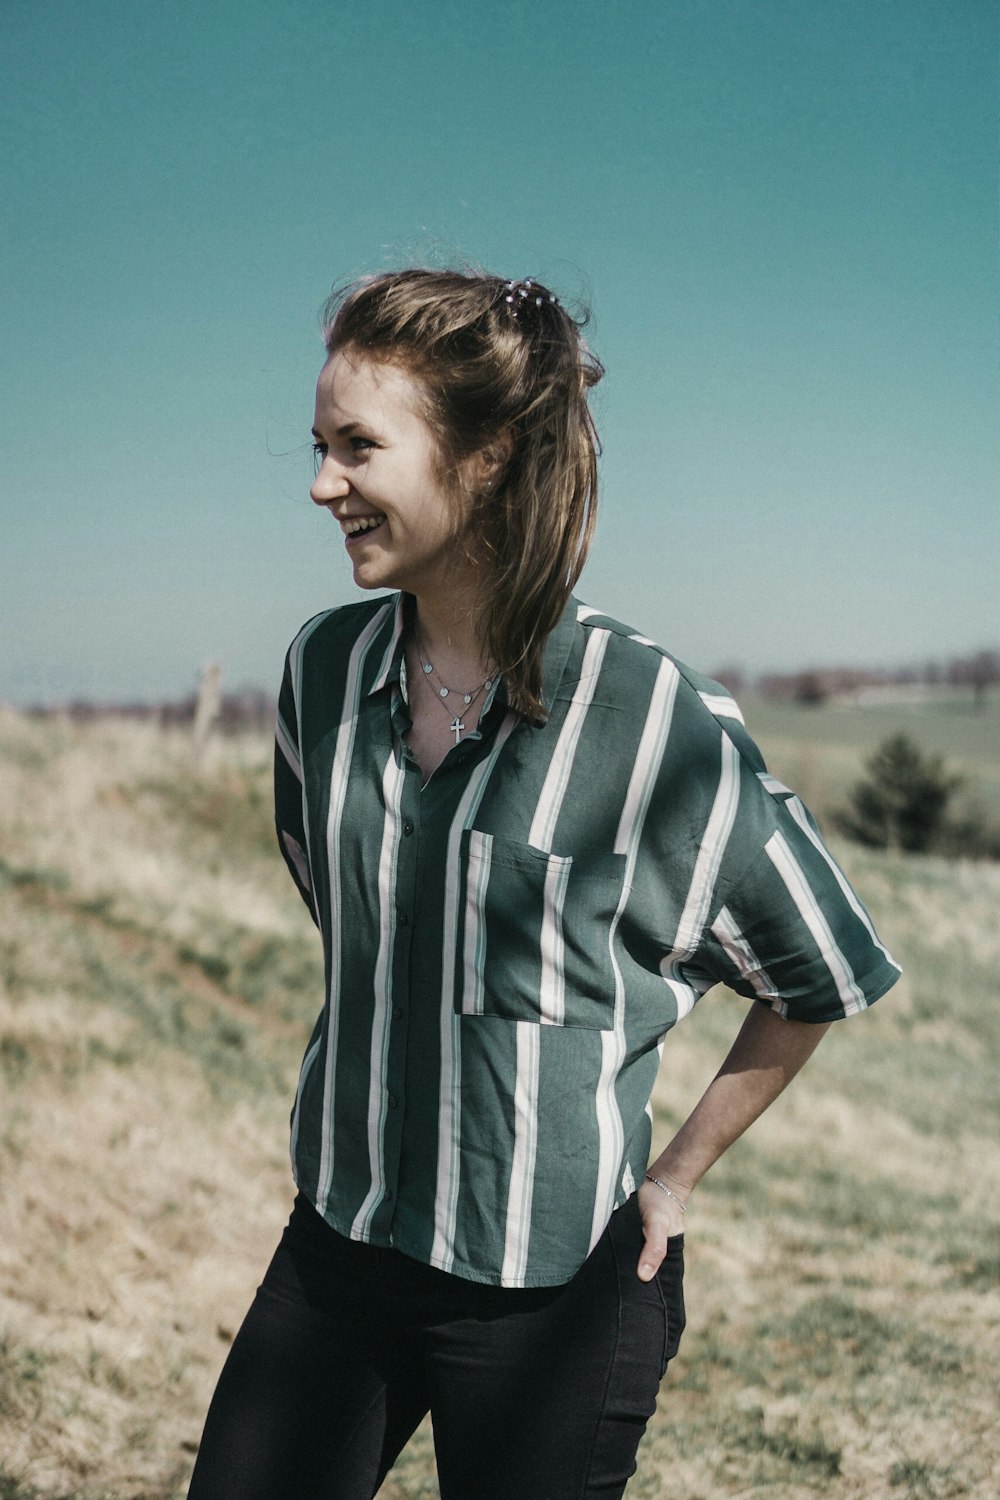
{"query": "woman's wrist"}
(675, 1187)
(662, 1186)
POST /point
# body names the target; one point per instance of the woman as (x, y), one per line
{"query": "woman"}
(531, 840)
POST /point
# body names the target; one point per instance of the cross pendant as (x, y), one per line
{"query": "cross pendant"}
(456, 728)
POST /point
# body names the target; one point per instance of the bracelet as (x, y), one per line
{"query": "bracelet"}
(664, 1189)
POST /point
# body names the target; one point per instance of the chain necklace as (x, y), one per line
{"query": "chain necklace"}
(441, 692)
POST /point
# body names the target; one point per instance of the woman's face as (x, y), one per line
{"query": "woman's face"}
(378, 477)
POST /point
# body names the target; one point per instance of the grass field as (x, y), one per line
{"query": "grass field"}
(158, 977)
(819, 750)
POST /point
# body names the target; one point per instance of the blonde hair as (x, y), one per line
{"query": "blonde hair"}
(505, 374)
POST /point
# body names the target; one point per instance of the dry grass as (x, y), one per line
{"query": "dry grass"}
(157, 981)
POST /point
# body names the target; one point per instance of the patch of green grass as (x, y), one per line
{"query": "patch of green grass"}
(230, 1058)
(828, 1197)
(22, 1380)
(826, 1332)
(232, 808)
(284, 974)
(920, 1481)
(781, 1453)
(212, 965)
(41, 878)
(15, 1059)
(13, 1487)
(970, 1264)
(16, 1487)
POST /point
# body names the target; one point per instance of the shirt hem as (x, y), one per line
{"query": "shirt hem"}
(462, 1269)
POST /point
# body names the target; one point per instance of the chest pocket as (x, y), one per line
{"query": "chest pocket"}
(535, 932)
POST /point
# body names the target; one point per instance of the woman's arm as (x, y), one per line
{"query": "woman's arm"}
(764, 1058)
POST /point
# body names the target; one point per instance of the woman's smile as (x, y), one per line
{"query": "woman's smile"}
(355, 527)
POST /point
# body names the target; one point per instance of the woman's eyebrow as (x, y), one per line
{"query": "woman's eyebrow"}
(344, 431)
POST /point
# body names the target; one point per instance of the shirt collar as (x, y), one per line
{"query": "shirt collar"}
(392, 653)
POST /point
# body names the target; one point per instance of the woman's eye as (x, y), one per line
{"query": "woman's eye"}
(355, 443)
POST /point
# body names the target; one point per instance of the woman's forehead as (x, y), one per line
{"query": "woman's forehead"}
(355, 389)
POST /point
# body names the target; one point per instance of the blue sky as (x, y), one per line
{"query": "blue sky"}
(783, 213)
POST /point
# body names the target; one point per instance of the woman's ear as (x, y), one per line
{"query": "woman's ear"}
(491, 461)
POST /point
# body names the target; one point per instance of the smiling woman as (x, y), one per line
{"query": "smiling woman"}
(531, 841)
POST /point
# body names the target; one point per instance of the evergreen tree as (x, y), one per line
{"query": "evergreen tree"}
(902, 803)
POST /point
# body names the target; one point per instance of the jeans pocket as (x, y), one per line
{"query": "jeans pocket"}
(670, 1278)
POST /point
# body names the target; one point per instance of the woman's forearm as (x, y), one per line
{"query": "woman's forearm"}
(765, 1057)
(763, 1060)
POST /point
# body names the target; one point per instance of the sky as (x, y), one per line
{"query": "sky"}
(782, 213)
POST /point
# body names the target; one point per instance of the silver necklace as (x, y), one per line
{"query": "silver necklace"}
(441, 692)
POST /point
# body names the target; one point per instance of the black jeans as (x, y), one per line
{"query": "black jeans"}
(534, 1394)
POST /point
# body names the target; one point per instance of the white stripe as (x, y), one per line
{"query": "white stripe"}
(552, 980)
(474, 940)
(643, 640)
(610, 1132)
(710, 851)
(773, 785)
(304, 1072)
(543, 824)
(339, 776)
(798, 812)
(393, 778)
(287, 747)
(449, 1107)
(784, 861)
(686, 992)
(297, 855)
(522, 1177)
(649, 757)
(721, 705)
(745, 960)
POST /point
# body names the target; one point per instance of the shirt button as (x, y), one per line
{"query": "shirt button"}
(397, 1012)
(393, 1101)
(402, 919)
(388, 1195)
(407, 828)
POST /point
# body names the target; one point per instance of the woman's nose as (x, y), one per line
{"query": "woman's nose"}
(331, 483)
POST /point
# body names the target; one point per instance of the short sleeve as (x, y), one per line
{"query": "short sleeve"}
(288, 792)
(790, 930)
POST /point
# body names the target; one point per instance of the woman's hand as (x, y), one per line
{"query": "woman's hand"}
(662, 1219)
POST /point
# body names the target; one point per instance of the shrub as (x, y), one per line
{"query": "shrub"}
(903, 801)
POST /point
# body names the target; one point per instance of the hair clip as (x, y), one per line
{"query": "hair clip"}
(528, 290)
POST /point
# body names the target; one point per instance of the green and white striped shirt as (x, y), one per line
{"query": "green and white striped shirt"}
(507, 946)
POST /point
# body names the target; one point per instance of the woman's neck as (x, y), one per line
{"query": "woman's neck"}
(447, 634)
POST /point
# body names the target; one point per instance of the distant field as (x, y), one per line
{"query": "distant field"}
(820, 751)
(158, 977)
